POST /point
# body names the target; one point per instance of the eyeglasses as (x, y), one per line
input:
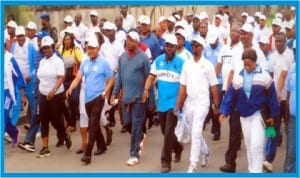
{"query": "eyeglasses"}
(195, 45)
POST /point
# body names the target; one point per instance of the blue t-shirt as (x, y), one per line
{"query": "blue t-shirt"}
(291, 87)
(212, 55)
(95, 72)
(168, 75)
(153, 44)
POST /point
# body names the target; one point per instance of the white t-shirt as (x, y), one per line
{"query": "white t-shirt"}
(281, 62)
(221, 31)
(185, 55)
(258, 32)
(121, 36)
(47, 73)
(129, 22)
(21, 56)
(81, 30)
(198, 77)
(111, 52)
(227, 55)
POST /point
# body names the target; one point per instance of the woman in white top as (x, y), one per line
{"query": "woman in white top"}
(51, 73)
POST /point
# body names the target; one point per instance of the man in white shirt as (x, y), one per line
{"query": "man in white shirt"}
(221, 31)
(80, 28)
(261, 29)
(121, 32)
(31, 32)
(128, 19)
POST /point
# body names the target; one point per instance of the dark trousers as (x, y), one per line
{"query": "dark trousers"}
(93, 110)
(168, 122)
(71, 111)
(51, 111)
(235, 135)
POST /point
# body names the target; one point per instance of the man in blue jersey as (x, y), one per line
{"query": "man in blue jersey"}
(167, 69)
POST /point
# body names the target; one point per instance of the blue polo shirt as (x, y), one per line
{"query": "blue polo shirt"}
(291, 87)
(95, 72)
(152, 43)
(168, 75)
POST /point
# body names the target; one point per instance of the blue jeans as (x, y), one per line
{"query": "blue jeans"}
(290, 158)
(134, 117)
(10, 128)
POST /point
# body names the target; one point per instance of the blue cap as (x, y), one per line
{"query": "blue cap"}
(42, 34)
(44, 16)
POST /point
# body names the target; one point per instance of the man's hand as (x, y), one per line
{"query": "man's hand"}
(270, 121)
(222, 118)
(145, 96)
(68, 93)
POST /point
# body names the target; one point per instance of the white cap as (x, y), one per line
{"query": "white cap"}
(12, 24)
(197, 17)
(92, 42)
(20, 30)
(247, 28)
(277, 22)
(68, 19)
(94, 13)
(293, 8)
(288, 25)
(31, 25)
(203, 15)
(179, 24)
(257, 14)
(172, 19)
(189, 13)
(161, 19)
(278, 15)
(109, 26)
(250, 19)
(171, 39)
(262, 17)
(144, 20)
(244, 14)
(177, 16)
(219, 16)
(212, 37)
(198, 39)
(182, 33)
(47, 41)
(264, 40)
(89, 35)
(134, 35)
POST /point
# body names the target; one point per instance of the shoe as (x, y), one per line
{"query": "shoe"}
(26, 126)
(205, 158)
(15, 140)
(68, 141)
(79, 151)
(123, 130)
(99, 151)
(165, 168)
(216, 137)
(177, 157)
(43, 153)
(227, 168)
(27, 147)
(109, 134)
(132, 161)
(38, 135)
(267, 166)
(191, 169)
(60, 143)
(86, 159)
(150, 124)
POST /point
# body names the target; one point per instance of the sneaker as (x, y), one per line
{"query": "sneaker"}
(7, 138)
(205, 158)
(27, 147)
(191, 169)
(267, 166)
(68, 141)
(15, 141)
(60, 143)
(177, 157)
(132, 161)
(165, 168)
(227, 168)
(38, 135)
(44, 153)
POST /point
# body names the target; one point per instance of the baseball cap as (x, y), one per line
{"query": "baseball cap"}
(68, 19)
(247, 28)
(262, 17)
(264, 40)
(278, 15)
(12, 24)
(293, 8)
(196, 17)
(244, 14)
(42, 34)
(134, 35)
(47, 41)
(172, 19)
(257, 14)
(20, 30)
(31, 25)
(161, 19)
(45, 16)
(92, 42)
(181, 32)
(189, 13)
(203, 15)
(219, 16)
(94, 13)
(177, 16)
(250, 19)
(179, 24)
(212, 37)
(277, 22)
(171, 39)
(289, 25)
(198, 39)
(109, 26)
(144, 20)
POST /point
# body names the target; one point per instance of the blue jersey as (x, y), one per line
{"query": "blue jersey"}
(168, 75)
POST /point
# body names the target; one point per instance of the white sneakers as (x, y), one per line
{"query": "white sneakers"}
(191, 169)
(132, 161)
(204, 159)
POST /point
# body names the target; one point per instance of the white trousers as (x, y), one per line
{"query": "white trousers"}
(254, 138)
(195, 117)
